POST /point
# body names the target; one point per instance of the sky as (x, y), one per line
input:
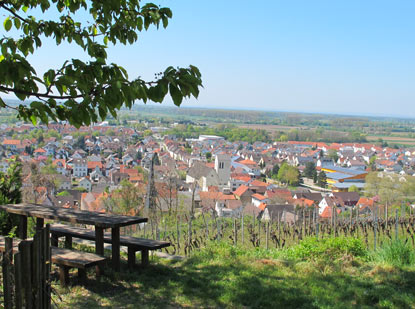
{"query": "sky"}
(323, 56)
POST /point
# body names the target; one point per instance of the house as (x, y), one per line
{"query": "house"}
(349, 198)
(328, 201)
(244, 193)
(86, 183)
(274, 212)
(80, 168)
(257, 199)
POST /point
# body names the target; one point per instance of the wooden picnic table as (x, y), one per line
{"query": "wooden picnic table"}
(101, 221)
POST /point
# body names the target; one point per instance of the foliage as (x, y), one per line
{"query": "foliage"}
(288, 174)
(312, 248)
(390, 188)
(332, 154)
(208, 156)
(309, 170)
(127, 200)
(10, 185)
(63, 193)
(322, 179)
(354, 188)
(81, 91)
(230, 132)
(395, 252)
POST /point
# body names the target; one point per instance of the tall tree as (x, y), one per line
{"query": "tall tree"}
(310, 167)
(81, 91)
(322, 179)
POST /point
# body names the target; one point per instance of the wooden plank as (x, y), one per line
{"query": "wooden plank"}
(76, 259)
(39, 223)
(7, 273)
(137, 242)
(72, 215)
(25, 249)
(18, 280)
(22, 230)
(115, 237)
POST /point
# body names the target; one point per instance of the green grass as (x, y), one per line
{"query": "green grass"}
(225, 276)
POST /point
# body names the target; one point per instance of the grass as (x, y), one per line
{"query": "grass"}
(225, 276)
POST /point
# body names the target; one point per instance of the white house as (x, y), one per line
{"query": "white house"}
(80, 168)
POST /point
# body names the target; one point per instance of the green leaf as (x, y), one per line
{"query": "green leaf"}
(176, 95)
(17, 23)
(7, 24)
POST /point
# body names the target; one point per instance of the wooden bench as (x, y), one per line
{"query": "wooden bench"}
(67, 259)
(133, 244)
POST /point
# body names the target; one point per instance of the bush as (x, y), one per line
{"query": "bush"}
(396, 252)
(10, 193)
(327, 248)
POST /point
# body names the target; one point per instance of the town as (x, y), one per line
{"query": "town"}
(90, 168)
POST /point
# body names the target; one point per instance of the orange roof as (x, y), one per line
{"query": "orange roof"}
(364, 201)
(242, 178)
(258, 183)
(247, 162)
(59, 160)
(259, 197)
(40, 150)
(94, 164)
(262, 206)
(11, 142)
(241, 190)
(304, 202)
(327, 212)
(216, 196)
(211, 164)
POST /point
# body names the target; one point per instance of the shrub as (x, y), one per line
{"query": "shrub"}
(10, 193)
(396, 252)
(327, 248)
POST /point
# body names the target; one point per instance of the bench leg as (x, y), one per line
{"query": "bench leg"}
(115, 242)
(54, 240)
(82, 275)
(131, 257)
(144, 257)
(68, 242)
(64, 275)
(99, 269)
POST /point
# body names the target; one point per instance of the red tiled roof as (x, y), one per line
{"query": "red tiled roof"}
(241, 190)
(258, 183)
(259, 197)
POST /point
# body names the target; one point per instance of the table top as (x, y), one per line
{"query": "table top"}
(103, 220)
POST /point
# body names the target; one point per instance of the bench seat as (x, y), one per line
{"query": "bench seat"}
(67, 258)
(134, 244)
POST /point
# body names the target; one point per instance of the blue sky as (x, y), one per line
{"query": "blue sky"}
(347, 57)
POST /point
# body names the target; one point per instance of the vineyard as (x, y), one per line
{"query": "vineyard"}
(188, 233)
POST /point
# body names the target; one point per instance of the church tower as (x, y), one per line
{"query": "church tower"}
(223, 169)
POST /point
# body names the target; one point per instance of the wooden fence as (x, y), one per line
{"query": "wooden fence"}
(26, 272)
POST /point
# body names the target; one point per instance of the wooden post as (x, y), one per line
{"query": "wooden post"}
(22, 227)
(99, 240)
(18, 280)
(7, 273)
(259, 232)
(235, 232)
(267, 236)
(242, 229)
(25, 249)
(131, 257)
(39, 223)
(375, 227)
(178, 233)
(396, 224)
(115, 240)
